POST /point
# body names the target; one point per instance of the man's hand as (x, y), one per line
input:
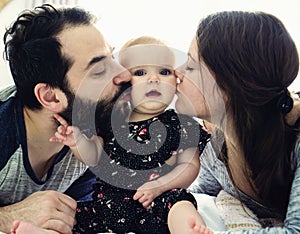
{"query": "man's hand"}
(46, 209)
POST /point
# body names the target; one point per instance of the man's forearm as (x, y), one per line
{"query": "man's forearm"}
(6, 219)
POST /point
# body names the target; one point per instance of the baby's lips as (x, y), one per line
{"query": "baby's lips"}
(153, 93)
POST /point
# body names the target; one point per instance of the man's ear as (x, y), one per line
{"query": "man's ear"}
(50, 98)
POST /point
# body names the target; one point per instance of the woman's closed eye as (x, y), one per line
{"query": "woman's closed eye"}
(188, 68)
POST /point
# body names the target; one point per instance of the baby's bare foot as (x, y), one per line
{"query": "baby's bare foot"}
(195, 229)
(20, 227)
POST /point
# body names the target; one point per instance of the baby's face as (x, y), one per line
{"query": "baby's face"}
(153, 88)
(153, 79)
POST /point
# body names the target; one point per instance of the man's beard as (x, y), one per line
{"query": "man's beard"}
(95, 116)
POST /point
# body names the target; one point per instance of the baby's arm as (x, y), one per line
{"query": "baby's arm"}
(84, 149)
(182, 176)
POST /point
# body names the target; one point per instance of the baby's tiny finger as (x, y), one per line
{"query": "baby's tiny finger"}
(53, 139)
(146, 204)
(137, 195)
(61, 129)
(59, 137)
(69, 130)
(61, 120)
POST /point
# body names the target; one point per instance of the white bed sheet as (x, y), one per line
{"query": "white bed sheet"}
(209, 212)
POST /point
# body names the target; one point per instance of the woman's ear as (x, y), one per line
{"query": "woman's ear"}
(50, 98)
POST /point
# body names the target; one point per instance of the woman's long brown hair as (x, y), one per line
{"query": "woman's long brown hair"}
(254, 60)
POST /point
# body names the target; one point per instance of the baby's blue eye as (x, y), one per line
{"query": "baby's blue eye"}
(139, 73)
(165, 72)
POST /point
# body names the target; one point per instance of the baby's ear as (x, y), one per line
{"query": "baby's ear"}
(52, 99)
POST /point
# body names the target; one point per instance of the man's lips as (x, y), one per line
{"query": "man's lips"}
(153, 93)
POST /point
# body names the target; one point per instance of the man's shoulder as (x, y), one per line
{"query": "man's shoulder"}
(7, 92)
(10, 115)
(7, 105)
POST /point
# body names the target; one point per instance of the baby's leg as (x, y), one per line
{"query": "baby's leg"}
(21, 227)
(179, 219)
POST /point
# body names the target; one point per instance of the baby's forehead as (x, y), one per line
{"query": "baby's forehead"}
(149, 54)
(152, 66)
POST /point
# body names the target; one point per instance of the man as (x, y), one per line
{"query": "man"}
(58, 59)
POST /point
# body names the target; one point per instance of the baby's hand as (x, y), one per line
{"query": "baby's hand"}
(147, 193)
(66, 134)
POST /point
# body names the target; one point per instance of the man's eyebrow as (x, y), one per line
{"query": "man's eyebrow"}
(95, 60)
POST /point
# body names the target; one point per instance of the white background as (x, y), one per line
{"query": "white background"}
(172, 21)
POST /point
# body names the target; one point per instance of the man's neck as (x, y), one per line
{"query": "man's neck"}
(40, 126)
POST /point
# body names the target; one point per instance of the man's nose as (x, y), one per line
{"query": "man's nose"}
(123, 77)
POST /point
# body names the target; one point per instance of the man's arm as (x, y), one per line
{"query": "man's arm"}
(46, 209)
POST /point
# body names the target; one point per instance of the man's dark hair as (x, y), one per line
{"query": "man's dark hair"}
(33, 51)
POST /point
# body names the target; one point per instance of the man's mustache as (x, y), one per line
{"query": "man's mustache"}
(125, 87)
(87, 114)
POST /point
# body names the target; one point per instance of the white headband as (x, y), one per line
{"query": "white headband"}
(149, 54)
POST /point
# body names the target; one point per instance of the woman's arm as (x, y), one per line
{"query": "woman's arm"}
(292, 221)
(294, 114)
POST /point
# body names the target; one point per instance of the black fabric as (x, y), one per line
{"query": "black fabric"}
(124, 169)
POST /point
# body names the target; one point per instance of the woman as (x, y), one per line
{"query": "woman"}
(240, 65)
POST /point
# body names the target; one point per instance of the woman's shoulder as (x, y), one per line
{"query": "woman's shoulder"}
(296, 153)
(293, 117)
(297, 146)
